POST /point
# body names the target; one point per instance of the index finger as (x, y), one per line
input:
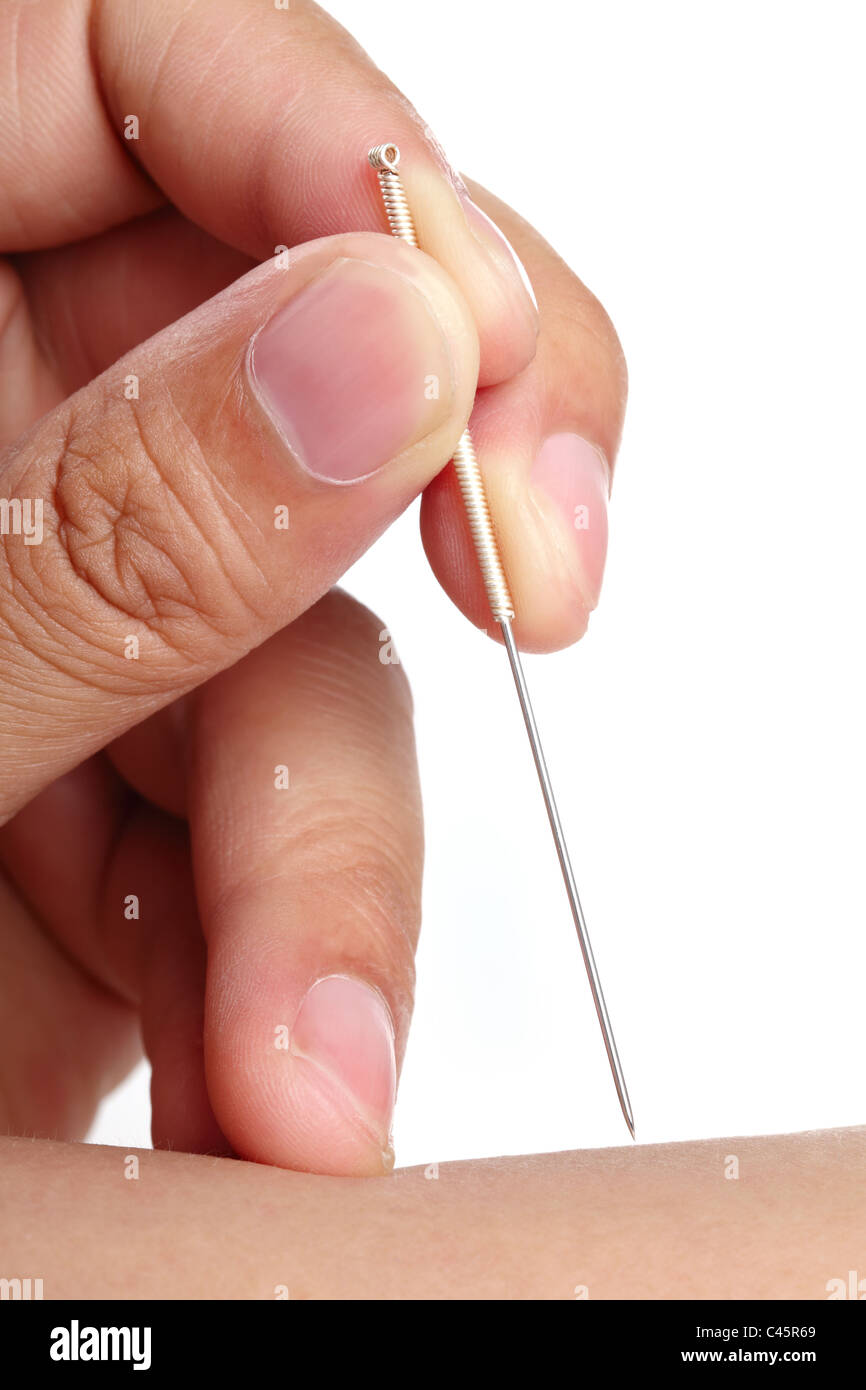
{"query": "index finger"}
(254, 121)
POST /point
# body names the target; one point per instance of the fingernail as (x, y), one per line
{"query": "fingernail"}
(344, 370)
(345, 1029)
(575, 476)
(499, 248)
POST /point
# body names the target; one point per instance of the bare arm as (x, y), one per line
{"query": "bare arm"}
(650, 1222)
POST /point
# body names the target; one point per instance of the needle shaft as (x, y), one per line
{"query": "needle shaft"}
(385, 160)
(567, 874)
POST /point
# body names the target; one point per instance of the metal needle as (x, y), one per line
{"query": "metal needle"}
(385, 159)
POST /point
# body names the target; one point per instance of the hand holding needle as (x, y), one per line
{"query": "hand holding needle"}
(385, 159)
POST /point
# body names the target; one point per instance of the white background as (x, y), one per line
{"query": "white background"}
(701, 168)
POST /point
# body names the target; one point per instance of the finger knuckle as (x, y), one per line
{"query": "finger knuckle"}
(580, 314)
(130, 538)
(371, 886)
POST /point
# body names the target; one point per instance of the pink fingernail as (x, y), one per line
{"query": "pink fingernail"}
(345, 1028)
(344, 370)
(574, 474)
(497, 244)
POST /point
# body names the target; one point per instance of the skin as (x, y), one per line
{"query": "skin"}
(657, 1222)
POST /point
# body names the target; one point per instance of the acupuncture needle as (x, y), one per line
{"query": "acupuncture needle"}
(385, 159)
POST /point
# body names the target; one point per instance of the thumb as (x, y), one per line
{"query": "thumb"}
(214, 483)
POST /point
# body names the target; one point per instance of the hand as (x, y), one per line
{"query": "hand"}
(215, 431)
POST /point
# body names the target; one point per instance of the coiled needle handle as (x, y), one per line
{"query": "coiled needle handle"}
(385, 159)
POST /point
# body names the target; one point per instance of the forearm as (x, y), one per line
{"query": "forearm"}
(646, 1222)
